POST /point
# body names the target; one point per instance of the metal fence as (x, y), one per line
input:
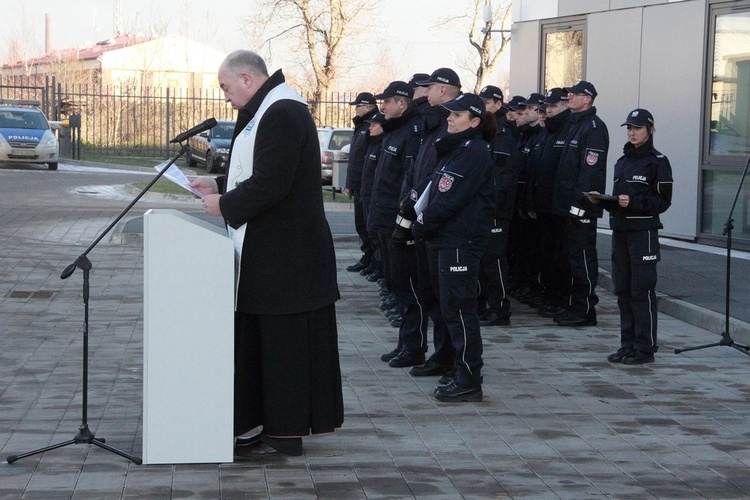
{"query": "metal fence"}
(140, 121)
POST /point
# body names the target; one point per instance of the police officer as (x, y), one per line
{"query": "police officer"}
(443, 85)
(365, 108)
(374, 147)
(402, 132)
(543, 163)
(420, 91)
(455, 223)
(642, 190)
(582, 168)
(493, 271)
(522, 243)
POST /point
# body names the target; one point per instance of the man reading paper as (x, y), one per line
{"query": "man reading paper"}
(287, 375)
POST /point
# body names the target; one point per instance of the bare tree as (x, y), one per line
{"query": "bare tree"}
(20, 39)
(489, 48)
(319, 28)
(489, 40)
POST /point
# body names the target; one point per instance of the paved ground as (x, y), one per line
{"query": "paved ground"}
(558, 421)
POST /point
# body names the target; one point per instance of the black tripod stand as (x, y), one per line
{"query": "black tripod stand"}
(85, 436)
(726, 339)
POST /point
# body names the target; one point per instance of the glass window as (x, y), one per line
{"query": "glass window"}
(563, 54)
(730, 85)
(719, 190)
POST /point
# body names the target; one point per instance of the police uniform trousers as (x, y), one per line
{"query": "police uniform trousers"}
(455, 273)
(553, 259)
(385, 243)
(286, 373)
(376, 257)
(444, 353)
(493, 270)
(634, 258)
(404, 285)
(360, 225)
(584, 266)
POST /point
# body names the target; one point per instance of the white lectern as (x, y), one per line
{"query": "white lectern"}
(188, 340)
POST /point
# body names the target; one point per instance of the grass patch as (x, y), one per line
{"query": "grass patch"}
(163, 186)
(136, 161)
(340, 198)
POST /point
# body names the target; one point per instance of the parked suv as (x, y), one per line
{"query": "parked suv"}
(211, 147)
(331, 141)
(26, 135)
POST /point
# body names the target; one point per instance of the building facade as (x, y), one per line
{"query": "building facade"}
(687, 61)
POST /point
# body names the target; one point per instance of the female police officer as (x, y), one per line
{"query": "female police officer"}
(642, 190)
(455, 223)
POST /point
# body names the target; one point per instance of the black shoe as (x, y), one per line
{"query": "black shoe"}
(454, 392)
(368, 270)
(551, 311)
(616, 357)
(285, 446)
(256, 451)
(494, 319)
(240, 441)
(356, 267)
(396, 321)
(390, 355)
(638, 358)
(405, 359)
(571, 319)
(374, 276)
(387, 303)
(429, 369)
(447, 378)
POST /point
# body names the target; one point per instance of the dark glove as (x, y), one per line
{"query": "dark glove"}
(406, 207)
(402, 232)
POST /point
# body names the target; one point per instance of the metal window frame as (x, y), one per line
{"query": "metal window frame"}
(577, 23)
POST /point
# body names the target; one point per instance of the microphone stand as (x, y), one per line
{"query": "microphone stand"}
(726, 339)
(85, 436)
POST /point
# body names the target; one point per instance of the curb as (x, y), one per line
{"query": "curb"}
(690, 313)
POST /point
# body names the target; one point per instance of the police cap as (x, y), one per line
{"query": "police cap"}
(397, 88)
(491, 92)
(363, 98)
(467, 102)
(639, 118)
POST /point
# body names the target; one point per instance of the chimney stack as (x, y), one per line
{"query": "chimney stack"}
(47, 33)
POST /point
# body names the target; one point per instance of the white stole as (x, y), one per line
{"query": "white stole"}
(241, 161)
(243, 152)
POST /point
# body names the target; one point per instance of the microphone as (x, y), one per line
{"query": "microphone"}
(206, 125)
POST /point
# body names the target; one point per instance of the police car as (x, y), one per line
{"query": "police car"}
(25, 134)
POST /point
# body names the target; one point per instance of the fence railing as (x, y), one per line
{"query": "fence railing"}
(140, 121)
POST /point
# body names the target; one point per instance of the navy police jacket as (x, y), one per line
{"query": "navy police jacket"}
(645, 175)
(543, 163)
(505, 155)
(357, 150)
(401, 138)
(461, 205)
(583, 166)
(435, 127)
(374, 147)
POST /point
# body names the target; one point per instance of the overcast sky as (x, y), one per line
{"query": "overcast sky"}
(399, 37)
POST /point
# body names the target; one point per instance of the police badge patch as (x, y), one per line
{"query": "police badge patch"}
(446, 182)
(592, 158)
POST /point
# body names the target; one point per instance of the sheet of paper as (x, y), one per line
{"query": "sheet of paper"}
(175, 175)
(423, 200)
